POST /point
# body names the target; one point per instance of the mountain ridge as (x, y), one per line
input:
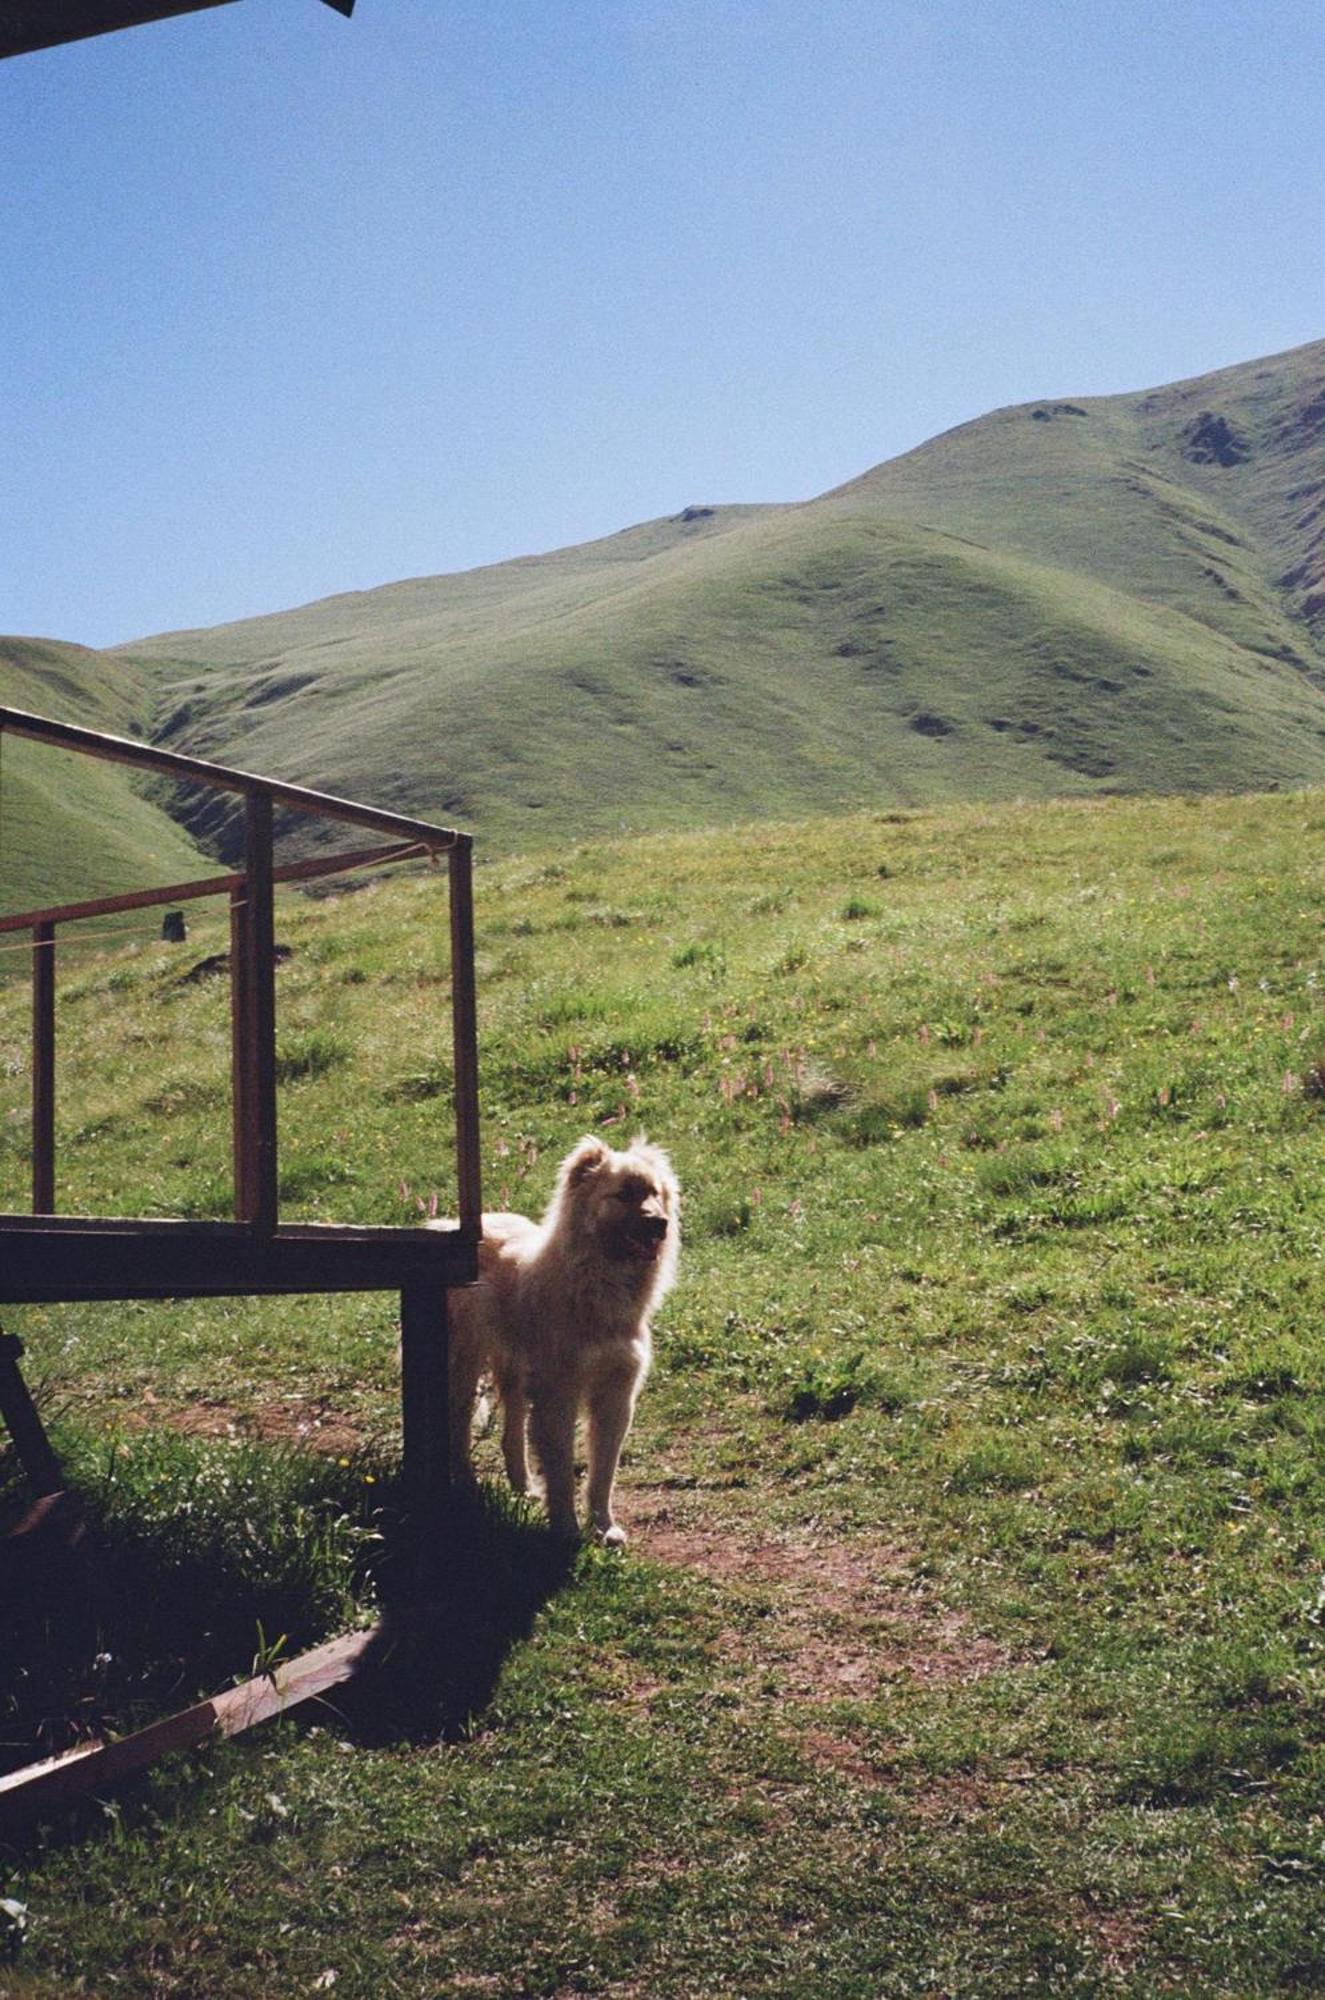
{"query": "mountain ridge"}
(1073, 595)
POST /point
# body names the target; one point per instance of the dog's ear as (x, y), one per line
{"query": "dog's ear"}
(657, 1159)
(584, 1159)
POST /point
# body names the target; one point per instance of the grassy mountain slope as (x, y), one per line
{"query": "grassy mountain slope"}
(71, 827)
(1208, 496)
(1122, 594)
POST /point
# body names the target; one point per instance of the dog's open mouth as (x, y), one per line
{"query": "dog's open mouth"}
(644, 1246)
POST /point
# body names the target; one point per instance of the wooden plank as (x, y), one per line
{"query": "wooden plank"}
(425, 1407)
(313, 1673)
(54, 1512)
(43, 1069)
(63, 1258)
(224, 1232)
(96, 1767)
(215, 885)
(221, 777)
(464, 1013)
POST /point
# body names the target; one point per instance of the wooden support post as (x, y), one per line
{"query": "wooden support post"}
(19, 1411)
(253, 1005)
(425, 1405)
(240, 1085)
(464, 1013)
(43, 1069)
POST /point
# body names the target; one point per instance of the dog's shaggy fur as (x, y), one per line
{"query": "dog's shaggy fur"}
(560, 1322)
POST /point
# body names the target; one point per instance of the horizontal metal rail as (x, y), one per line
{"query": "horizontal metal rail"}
(213, 885)
(222, 778)
(251, 955)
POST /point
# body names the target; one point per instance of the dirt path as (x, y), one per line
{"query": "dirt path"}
(819, 1619)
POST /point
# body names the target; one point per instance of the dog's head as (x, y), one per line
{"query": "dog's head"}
(629, 1202)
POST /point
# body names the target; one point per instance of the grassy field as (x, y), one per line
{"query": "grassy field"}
(1125, 594)
(970, 1638)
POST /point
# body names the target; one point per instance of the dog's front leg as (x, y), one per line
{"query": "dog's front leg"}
(552, 1428)
(515, 1418)
(466, 1361)
(611, 1407)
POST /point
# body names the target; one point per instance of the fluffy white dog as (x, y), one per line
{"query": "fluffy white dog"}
(560, 1321)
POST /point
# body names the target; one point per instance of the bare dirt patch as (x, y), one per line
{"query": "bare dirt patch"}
(302, 1420)
(841, 1617)
(1117, 1937)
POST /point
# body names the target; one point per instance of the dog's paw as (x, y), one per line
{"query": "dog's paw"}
(613, 1537)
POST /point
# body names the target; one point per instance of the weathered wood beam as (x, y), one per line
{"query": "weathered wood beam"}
(48, 1260)
(425, 1408)
(96, 1767)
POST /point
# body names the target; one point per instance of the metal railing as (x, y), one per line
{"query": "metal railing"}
(252, 958)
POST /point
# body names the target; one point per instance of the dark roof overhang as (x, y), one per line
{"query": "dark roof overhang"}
(41, 24)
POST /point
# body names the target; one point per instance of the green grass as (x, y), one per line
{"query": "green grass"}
(70, 828)
(971, 1637)
(1059, 598)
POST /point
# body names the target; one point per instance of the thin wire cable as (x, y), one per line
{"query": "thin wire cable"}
(66, 943)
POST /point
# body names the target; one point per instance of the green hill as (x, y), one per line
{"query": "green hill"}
(71, 827)
(1118, 594)
(1207, 496)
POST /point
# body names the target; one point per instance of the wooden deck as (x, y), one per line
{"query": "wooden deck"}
(60, 1259)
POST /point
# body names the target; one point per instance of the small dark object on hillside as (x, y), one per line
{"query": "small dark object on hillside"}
(174, 930)
(219, 961)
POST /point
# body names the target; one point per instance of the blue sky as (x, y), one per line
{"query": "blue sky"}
(291, 305)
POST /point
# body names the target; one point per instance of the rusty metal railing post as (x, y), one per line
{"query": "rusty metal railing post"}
(240, 1086)
(43, 1069)
(464, 1013)
(253, 1022)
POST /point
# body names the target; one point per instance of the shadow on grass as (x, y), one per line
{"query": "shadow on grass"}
(177, 1567)
(450, 1615)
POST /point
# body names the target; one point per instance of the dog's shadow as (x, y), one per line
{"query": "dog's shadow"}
(451, 1614)
(105, 1627)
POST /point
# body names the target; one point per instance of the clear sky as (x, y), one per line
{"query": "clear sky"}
(291, 304)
